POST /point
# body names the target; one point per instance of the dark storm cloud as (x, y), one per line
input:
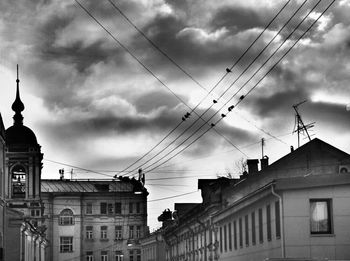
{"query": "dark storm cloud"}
(152, 100)
(332, 116)
(237, 19)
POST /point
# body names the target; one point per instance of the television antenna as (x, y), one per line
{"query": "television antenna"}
(299, 125)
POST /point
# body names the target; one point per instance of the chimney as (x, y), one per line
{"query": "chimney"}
(264, 162)
(252, 166)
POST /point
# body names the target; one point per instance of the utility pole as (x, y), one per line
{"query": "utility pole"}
(299, 125)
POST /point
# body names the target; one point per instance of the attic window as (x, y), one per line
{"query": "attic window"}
(102, 187)
(343, 170)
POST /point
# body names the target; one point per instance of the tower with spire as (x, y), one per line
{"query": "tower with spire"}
(23, 233)
(23, 161)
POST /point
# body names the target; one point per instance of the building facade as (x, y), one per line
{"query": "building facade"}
(153, 247)
(295, 208)
(191, 233)
(95, 219)
(2, 188)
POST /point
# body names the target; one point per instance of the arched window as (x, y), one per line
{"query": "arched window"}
(66, 217)
(18, 180)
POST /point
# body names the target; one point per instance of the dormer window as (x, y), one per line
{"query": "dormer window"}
(18, 179)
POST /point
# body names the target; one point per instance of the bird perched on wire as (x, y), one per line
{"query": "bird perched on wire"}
(228, 70)
(215, 101)
(231, 108)
(223, 115)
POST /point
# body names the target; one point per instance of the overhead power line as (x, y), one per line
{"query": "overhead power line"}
(225, 104)
(146, 68)
(227, 71)
(315, 21)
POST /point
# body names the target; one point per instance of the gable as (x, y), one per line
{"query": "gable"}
(317, 156)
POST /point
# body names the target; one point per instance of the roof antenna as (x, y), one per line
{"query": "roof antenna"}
(299, 125)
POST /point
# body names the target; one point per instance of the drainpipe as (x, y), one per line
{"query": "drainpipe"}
(281, 220)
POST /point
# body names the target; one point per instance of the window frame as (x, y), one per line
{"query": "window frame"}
(104, 255)
(268, 223)
(118, 232)
(278, 219)
(89, 255)
(103, 232)
(329, 206)
(261, 226)
(89, 232)
(131, 208)
(88, 210)
(103, 206)
(118, 208)
(63, 245)
(66, 217)
(131, 232)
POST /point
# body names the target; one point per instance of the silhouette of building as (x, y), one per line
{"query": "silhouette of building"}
(24, 237)
(2, 188)
(296, 208)
(95, 219)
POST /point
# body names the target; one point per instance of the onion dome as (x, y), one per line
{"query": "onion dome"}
(18, 133)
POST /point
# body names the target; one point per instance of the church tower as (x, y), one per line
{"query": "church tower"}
(23, 164)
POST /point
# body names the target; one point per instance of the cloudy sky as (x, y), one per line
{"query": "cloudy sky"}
(94, 105)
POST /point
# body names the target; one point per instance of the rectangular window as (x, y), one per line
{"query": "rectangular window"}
(88, 209)
(131, 255)
(278, 219)
(230, 236)
(138, 255)
(131, 208)
(89, 256)
(104, 256)
(221, 250)
(110, 208)
(225, 238)
(103, 208)
(103, 232)
(138, 232)
(118, 208)
(118, 255)
(66, 244)
(253, 229)
(240, 232)
(89, 232)
(235, 234)
(138, 208)
(246, 228)
(320, 216)
(131, 232)
(118, 232)
(268, 222)
(261, 233)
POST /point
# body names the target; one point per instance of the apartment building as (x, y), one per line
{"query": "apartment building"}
(296, 208)
(95, 220)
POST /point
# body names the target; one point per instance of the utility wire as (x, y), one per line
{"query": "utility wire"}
(257, 82)
(237, 61)
(148, 70)
(156, 46)
(247, 67)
